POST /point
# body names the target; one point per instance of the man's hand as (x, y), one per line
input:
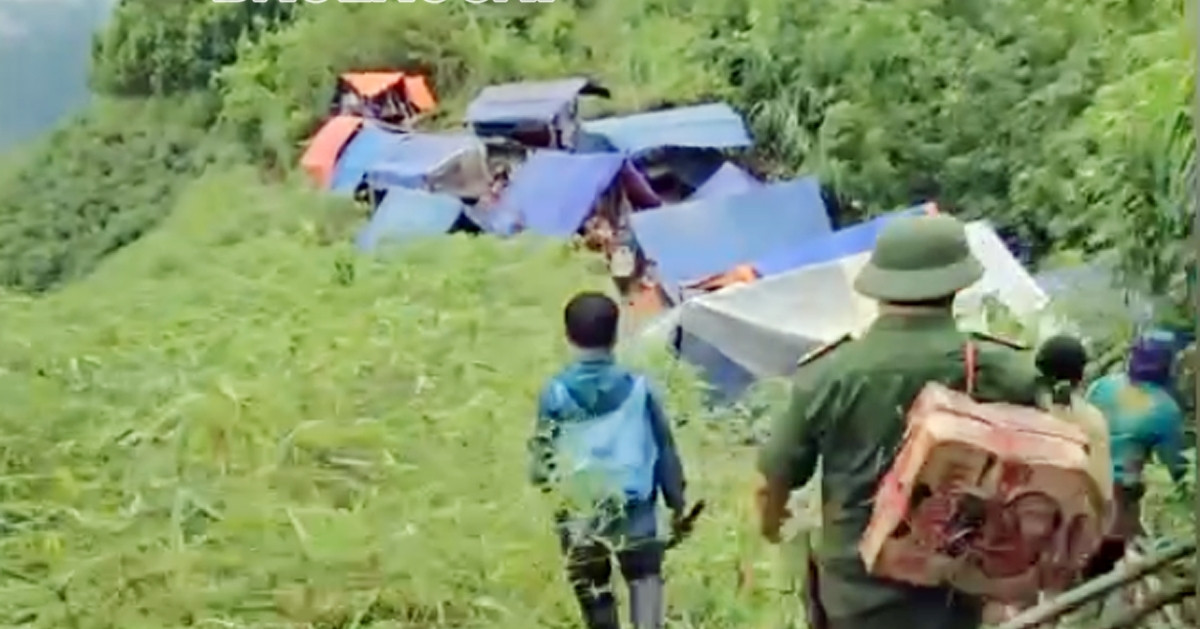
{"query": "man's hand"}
(771, 500)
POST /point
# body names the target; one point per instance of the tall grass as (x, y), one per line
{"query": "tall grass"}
(233, 424)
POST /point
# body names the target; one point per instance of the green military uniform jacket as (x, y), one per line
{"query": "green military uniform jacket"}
(848, 409)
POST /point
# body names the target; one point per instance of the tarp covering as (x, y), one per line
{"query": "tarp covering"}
(321, 156)
(694, 240)
(764, 327)
(853, 240)
(727, 181)
(422, 160)
(554, 191)
(406, 214)
(372, 84)
(531, 101)
(715, 125)
(363, 150)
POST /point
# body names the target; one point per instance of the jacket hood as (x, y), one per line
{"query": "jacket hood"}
(595, 383)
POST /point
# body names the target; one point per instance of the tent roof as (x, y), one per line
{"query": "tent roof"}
(372, 84)
(405, 214)
(321, 156)
(360, 154)
(728, 180)
(413, 156)
(554, 191)
(766, 326)
(528, 101)
(697, 239)
(715, 125)
(852, 240)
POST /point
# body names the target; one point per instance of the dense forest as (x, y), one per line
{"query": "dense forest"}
(216, 415)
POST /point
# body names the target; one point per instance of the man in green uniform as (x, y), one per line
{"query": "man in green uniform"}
(848, 409)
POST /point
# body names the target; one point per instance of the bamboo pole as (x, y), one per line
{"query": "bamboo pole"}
(1153, 603)
(1074, 599)
(1172, 615)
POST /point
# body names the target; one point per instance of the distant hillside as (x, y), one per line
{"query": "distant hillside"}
(44, 56)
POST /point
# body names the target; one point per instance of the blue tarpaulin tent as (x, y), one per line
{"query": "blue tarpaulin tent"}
(698, 239)
(405, 214)
(715, 126)
(852, 240)
(729, 180)
(413, 157)
(553, 192)
(513, 104)
(360, 154)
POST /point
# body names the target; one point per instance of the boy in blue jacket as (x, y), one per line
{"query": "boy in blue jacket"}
(596, 416)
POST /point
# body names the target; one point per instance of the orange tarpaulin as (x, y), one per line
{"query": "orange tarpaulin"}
(325, 145)
(416, 90)
(372, 84)
(743, 274)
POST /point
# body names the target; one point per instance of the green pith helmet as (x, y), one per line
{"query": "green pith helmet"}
(919, 258)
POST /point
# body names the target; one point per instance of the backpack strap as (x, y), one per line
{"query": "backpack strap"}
(970, 354)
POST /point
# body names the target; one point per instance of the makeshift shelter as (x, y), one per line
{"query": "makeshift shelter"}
(852, 240)
(678, 149)
(368, 145)
(729, 180)
(761, 329)
(320, 157)
(691, 242)
(554, 192)
(535, 113)
(710, 126)
(455, 164)
(392, 97)
(405, 214)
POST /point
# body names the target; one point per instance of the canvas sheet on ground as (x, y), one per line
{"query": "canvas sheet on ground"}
(766, 326)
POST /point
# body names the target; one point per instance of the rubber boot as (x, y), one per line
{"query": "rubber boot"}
(600, 611)
(646, 604)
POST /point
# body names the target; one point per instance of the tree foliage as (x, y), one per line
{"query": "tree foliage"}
(162, 48)
(97, 185)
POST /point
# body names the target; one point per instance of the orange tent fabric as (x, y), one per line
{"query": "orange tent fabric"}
(372, 84)
(743, 274)
(325, 145)
(416, 90)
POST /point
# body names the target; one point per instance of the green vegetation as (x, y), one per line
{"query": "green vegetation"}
(228, 418)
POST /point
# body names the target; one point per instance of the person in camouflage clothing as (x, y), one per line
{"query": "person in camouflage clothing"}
(848, 409)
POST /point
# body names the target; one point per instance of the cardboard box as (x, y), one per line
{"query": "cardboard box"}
(991, 499)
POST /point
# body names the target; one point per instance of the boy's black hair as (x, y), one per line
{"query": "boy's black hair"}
(1062, 358)
(591, 320)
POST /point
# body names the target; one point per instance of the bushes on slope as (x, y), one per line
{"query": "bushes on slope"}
(96, 185)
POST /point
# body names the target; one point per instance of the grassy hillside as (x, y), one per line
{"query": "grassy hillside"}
(231, 424)
(225, 417)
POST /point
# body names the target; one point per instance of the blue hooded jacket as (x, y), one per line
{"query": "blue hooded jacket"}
(596, 385)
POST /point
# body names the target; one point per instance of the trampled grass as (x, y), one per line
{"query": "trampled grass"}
(236, 424)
